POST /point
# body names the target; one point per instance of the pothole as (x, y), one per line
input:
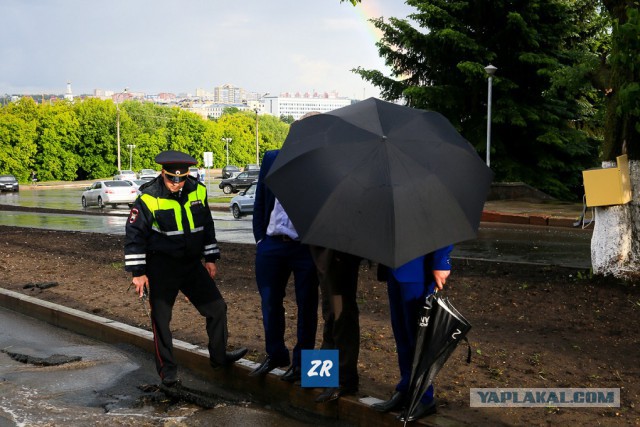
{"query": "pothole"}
(53, 360)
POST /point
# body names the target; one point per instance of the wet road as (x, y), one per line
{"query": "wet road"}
(498, 242)
(109, 385)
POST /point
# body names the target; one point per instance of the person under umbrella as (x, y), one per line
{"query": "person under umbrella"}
(408, 286)
(279, 254)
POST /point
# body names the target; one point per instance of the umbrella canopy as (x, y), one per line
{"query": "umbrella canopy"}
(440, 329)
(382, 181)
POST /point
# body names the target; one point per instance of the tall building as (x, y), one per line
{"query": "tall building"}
(229, 94)
(299, 104)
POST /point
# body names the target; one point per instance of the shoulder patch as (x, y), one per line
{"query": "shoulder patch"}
(133, 215)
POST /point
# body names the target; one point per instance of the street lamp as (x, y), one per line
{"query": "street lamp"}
(257, 110)
(227, 140)
(118, 96)
(490, 69)
(130, 147)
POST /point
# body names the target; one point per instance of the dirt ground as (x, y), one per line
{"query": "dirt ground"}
(533, 326)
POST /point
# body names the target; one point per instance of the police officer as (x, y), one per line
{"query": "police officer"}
(168, 232)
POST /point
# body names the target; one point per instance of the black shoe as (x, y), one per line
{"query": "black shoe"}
(169, 381)
(422, 410)
(235, 355)
(267, 366)
(333, 393)
(293, 374)
(396, 402)
(230, 357)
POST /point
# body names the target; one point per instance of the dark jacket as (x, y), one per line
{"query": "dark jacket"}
(265, 199)
(170, 224)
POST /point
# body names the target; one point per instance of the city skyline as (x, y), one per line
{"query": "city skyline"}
(161, 46)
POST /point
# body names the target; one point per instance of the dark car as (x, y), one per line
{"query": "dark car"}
(9, 183)
(251, 167)
(239, 182)
(242, 204)
(230, 171)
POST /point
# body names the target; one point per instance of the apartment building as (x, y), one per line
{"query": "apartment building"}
(299, 104)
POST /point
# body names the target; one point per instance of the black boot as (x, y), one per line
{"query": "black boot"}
(396, 402)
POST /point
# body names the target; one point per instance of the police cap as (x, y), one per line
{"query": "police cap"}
(175, 164)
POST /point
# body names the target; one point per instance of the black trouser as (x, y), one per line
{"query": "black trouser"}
(167, 276)
(338, 274)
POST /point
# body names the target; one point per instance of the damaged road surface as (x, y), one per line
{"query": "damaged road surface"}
(50, 376)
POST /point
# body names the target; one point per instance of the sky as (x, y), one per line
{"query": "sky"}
(177, 46)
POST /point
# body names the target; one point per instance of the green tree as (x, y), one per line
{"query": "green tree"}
(57, 143)
(18, 123)
(288, 119)
(543, 98)
(97, 147)
(615, 244)
(623, 85)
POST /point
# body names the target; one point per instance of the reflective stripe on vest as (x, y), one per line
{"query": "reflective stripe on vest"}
(161, 204)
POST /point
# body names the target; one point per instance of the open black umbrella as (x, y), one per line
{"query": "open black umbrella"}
(440, 329)
(382, 181)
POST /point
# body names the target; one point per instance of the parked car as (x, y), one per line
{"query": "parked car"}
(193, 171)
(239, 182)
(230, 171)
(242, 204)
(136, 183)
(148, 174)
(9, 183)
(124, 174)
(251, 167)
(112, 193)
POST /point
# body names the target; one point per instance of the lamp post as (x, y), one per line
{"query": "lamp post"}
(118, 96)
(257, 110)
(130, 147)
(227, 140)
(490, 69)
(257, 149)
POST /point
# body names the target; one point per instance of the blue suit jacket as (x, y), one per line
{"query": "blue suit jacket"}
(264, 199)
(417, 270)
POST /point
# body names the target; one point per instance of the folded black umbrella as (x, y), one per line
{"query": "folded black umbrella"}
(379, 180)
(440, 329)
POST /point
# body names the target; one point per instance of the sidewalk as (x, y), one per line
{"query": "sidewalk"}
(532, 212)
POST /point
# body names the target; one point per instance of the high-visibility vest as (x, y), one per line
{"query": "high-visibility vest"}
(158, 204)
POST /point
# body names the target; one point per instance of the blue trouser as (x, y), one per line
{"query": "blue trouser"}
(405, 301)
(276, 259)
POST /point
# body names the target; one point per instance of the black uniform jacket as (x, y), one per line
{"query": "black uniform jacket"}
(161, 230)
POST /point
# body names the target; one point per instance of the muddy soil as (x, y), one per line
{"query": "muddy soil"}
(533, 326)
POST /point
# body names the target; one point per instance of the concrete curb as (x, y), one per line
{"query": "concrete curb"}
(268, 390)
(527, 219)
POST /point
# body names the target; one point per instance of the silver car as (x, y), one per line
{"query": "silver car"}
(242, 204)
(124, 174)
(112, 193)
(148, 174)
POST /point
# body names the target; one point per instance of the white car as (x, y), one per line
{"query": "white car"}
(112, 193)
(148, 174)
(136, 183)
(125, 174)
